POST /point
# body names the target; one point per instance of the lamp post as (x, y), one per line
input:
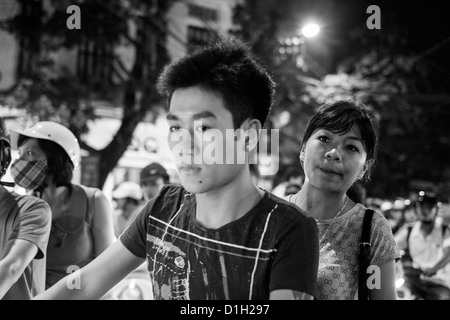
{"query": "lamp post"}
(294, 47)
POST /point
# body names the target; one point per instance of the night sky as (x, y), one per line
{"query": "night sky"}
(424, 24)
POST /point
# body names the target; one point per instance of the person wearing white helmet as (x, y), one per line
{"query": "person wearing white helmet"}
(82, 223)
(25, 223)
(426, 250)
(128, 197)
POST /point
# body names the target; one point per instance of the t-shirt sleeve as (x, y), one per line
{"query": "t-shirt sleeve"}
(35, 223)
(134, 238)
(384, 246)
(297, 258)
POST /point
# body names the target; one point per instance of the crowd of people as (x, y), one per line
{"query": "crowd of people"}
(217, 234)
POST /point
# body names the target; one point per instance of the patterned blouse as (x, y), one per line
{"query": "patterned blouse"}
(338, 256)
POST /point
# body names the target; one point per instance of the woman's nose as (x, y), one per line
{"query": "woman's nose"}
(333, 154)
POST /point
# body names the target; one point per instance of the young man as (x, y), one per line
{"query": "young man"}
(152, 178)
(217, 236)
(25, 223)
(426, 246)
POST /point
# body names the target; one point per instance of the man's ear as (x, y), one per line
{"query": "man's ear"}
(252, 132)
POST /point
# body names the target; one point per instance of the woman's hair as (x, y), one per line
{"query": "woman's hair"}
(339, 117)
(58, 161)
(229, 69)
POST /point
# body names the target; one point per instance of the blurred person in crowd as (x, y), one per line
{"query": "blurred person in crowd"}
(291, 176)
(409, 214)
(82, 221)
(217, 235)
(128, 198)
(152, 178)
(338, 148)
(25, 223)
(426, 246)
(292, 188)
(396, 218)
(357, 192)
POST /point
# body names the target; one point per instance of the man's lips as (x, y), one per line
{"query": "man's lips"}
(189, 169)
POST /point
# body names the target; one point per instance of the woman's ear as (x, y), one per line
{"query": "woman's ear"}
(302, 155)
(363, 171)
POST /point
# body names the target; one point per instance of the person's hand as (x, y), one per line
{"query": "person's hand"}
(429, 272)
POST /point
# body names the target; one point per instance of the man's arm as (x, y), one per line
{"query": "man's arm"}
(96, 278)
(17, 256)
(440, 264)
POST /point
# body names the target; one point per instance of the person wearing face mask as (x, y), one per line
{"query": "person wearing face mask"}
(425, 244)
(25, 223)
(82, 223)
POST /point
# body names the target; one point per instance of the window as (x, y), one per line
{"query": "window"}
(202, 13)
(199, 36)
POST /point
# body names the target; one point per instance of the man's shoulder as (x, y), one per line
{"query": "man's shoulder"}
(287, 208)
(27, 208)
(170, 196)
(29, 201)
(172, 189)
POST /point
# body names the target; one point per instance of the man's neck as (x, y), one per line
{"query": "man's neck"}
(229, 203)
(426, 228)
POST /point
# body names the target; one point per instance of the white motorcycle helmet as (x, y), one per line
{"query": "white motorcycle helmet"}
(52, 131)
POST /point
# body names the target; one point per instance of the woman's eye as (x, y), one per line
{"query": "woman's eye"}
(323, 138)
(353, 148)
(173, 128)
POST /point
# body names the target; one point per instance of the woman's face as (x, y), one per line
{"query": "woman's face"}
(332, 161)
(29, 150)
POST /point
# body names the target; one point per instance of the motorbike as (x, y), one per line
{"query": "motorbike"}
(413, 284)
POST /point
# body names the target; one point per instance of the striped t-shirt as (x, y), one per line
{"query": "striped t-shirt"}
(273, 246)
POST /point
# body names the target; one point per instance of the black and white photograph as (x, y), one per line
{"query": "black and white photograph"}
(224, 150)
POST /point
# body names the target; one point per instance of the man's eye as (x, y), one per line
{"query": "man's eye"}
(173, 128)
(202, 128)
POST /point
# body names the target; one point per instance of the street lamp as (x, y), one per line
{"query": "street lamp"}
(310, 30)
(295, 47)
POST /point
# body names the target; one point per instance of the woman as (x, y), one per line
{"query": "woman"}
(339, 148)
(82, 224)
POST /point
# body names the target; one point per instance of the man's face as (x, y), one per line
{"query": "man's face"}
(196, 114)
(426, 212)
(151, 187)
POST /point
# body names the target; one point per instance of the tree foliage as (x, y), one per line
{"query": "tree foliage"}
(60, 95)
(380, 69)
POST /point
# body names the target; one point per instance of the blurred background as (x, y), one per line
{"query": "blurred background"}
(99, 79)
